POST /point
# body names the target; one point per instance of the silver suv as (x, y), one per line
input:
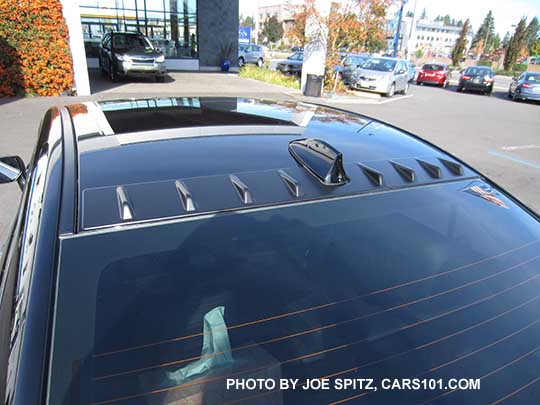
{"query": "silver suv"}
(382, 75)
(250, 54)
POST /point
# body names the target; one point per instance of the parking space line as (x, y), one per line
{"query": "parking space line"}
(395, 99)
(520, 147)
(513, 158)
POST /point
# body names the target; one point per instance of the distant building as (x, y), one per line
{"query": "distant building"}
(283, 10)
(434, 38)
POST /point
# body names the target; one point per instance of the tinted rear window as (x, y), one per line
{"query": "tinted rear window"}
(477, 71)
(533, 77)
(433, 67)
(431, 282)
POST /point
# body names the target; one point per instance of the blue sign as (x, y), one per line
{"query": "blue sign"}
(244, 35)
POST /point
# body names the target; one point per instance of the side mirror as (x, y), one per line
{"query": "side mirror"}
(12, 168)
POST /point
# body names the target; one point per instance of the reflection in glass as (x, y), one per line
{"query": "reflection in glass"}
(171, 25)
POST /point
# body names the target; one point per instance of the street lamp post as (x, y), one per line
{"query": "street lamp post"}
(398, 30)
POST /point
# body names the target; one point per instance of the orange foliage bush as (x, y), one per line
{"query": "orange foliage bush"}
(34, 52)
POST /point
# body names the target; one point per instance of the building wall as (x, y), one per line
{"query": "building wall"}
(218, 27)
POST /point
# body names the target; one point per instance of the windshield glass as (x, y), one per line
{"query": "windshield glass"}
(354, 60)
(474, 71)
(533, 77)
(296, 56)
(132, 43)
(429, 281)
(433, 67)
(381, 65)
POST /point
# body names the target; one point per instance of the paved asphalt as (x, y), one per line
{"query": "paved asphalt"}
(499, 137)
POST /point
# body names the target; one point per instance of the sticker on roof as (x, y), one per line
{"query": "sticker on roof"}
(487, 193)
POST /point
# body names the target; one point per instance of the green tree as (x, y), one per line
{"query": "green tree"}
(247, 22)
(485, 33)
(535, 48)
(419, 53)
(461, 44)
(533, 29)
(506, 40)
(272, 30)
(516, 44)
(424, 14)
(496, 42)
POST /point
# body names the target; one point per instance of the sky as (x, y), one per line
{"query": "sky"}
(505, 12)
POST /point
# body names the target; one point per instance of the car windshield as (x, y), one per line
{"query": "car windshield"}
(132, 43)
(533, 77)
(432, 67)
(296, 56)
(354, 60)
(475, 71)
(381, 65)
(427, 282)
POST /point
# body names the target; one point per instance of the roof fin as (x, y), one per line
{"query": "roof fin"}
(433, 170)
(373, 175)
(242, 189)
(291, 183)
(454, 167)
(320, 159)
(126, 212)
(185, 196)
(404, 171)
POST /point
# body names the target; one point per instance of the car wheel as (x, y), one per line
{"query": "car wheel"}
(260, 63)
(420, 83)
(240, 62)
(459, 89)
(112, 73)
(102, 67)
(515, 95)
(392, 90)
(509, 94)
(406, 89)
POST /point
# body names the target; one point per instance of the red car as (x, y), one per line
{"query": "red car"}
(433, 73)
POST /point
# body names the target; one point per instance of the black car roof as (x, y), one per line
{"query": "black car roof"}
(150, 159)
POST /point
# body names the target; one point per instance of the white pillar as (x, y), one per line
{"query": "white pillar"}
(76, 45)
(315, 46)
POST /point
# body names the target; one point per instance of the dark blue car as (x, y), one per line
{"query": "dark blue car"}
(216, 250)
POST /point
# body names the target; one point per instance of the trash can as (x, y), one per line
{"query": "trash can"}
(313, 86)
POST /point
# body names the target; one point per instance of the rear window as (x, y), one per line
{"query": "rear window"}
(533, 77)
(432, 282)
(477, 71)
(433, 67)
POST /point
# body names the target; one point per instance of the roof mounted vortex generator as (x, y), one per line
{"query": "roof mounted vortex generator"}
(320, 159)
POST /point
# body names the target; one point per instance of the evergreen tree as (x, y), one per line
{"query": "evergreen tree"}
(533, 29)
(272, 30)
(516, 44)
(485, 33)
(424, 14)
(461, 45)
(496, 42)
(506, 40)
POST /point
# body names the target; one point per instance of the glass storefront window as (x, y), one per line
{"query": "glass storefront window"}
(171, 25)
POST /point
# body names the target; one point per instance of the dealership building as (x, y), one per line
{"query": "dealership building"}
(191, 33)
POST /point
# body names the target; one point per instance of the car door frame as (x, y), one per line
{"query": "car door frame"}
(29, 264)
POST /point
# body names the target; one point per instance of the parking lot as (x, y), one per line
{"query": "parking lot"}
(499, 137)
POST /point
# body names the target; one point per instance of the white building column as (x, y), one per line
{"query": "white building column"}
(315, 46)
(76, 45)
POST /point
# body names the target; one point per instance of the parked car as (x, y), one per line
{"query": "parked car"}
(382, 75)
(477, 78)
(433, 73)
(412, 71)
(165, 245)
(130, 54)
(525, 87)
(292, 65)
(250, 54)
(350, 64)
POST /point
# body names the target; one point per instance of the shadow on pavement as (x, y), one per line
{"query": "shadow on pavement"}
(100, 83)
